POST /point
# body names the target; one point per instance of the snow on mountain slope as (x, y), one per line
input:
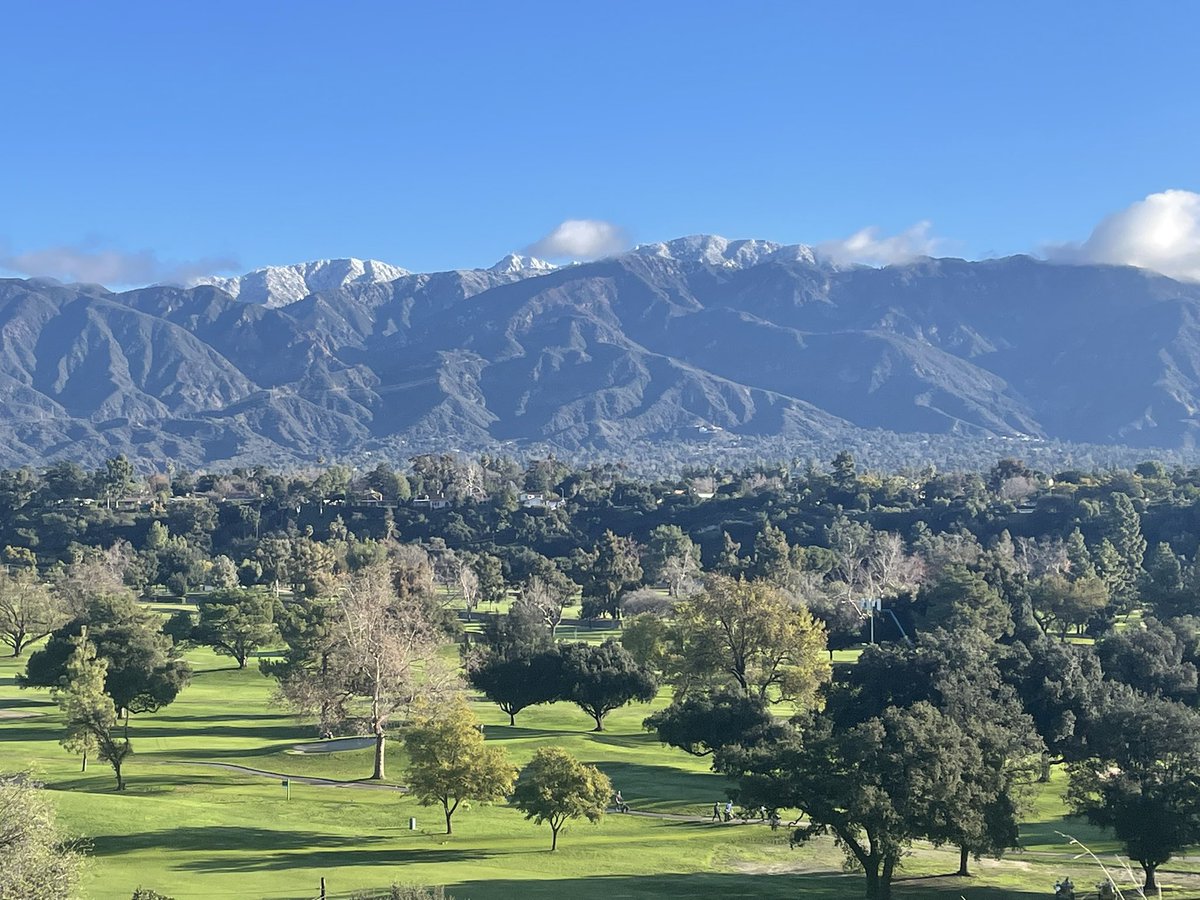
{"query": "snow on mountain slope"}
(515, 264)
(714, 250)
(276, 286)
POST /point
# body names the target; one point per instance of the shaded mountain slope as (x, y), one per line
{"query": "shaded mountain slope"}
(684, 340)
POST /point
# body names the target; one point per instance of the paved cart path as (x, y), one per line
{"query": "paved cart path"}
(301, 779)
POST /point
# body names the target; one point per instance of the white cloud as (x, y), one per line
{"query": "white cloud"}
(90, 262)
(1161, 233)
(869, 247)
(580, 239)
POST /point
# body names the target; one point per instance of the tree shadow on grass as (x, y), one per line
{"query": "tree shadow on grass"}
(333, 859)
(26, 701)
(99, 780)
(209, 754)
(1045, 835)
(221, 838)
(644, 740)
(285, 732)
(225, 717)
(516, 732)
(216, 670)
(35, 728)
(688, 792)
(217, 838)
(810, 886)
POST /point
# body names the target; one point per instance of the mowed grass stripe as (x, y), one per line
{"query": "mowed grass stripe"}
(191, 831)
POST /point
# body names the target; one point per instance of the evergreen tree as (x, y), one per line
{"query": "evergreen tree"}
(144, 671)
(516, 676)
(876, 786)
(1112, 570)
(492, 587)
(1153, 657)
(1142, 779)
(728, 561)
(666, 542)
(601, 679)
(1078, 556)
(117, 478)
(1163, 586)
(89, 713)
(1123, 527)
(772, 555)
(617, 568)
(236, 622)
(844, 473)
(1062, 604)
(961, 599)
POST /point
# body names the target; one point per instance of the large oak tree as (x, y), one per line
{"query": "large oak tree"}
(753, 636)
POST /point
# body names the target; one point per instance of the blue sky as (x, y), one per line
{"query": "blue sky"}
(172, 137)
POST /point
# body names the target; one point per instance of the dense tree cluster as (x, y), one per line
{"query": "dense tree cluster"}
(1008, 620)
(598, 679)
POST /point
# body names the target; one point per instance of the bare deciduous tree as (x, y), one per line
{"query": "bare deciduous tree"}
(1039, 558)
(891, 569)
(1017, 488)
(383, 655)
(682, 574)
(95, 574)
(851, 546)
(29, 610)
(546, 600)
(870, 564)
(468, 589)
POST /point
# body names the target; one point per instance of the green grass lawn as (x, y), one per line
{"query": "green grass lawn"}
(192, 831)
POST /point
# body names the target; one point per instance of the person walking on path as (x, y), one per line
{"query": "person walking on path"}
(716, 816)
(622, 806)
(728, 810)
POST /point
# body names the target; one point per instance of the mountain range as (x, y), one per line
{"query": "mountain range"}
(699, 339)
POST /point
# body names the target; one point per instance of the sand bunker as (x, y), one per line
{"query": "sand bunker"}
(332, 746)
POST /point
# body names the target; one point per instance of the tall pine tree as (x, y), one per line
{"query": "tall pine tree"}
(91, 716)
(1123, 527)
(1078, 557)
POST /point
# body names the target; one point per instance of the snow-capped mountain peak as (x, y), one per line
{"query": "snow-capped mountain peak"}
(514, 263)
(276, 286)
(714, 250)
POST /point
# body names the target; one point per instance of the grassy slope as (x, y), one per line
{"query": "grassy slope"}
(192, 831)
